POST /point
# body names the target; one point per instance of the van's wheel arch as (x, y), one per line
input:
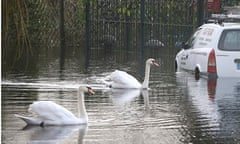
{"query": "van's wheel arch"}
(197, 73)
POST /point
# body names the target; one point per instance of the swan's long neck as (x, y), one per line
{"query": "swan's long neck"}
(146, 78)
(81, 106)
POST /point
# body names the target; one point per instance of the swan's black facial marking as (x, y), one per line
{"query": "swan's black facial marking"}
(154, 63)
(90, 90)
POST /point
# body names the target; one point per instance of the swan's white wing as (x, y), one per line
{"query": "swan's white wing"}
(30, 120)
(121, 79)
(51, 111)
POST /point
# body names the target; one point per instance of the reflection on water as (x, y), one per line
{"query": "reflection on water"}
(54, 134)
(216, 106)
(177, 108)
(122, 96)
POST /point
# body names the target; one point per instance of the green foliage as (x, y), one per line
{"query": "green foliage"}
(129, 9)
(15, 15)
(16, 43)
(31, 28)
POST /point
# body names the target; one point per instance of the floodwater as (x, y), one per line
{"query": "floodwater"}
(176, 110)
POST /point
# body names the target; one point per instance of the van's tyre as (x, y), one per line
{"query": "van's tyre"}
(176, 66)
(197, 74)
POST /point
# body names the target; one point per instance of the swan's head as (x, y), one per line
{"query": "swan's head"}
(86, 89)
(152, 61)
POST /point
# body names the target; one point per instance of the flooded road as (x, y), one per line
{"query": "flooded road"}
(177, 109)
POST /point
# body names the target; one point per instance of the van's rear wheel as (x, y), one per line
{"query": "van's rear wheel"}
(176, 66)
(197, 74)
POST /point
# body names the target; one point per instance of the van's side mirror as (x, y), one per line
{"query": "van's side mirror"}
(180, 45)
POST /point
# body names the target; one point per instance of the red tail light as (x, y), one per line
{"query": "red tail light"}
(212, 62)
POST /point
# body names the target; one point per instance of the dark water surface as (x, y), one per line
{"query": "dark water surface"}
(178, 109)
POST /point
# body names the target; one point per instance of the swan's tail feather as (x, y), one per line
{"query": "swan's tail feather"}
(30, 120)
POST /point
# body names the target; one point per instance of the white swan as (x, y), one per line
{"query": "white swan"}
(50, 113)
(121, 79)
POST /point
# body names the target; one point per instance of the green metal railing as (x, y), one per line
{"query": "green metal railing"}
(135, 25)
(97, 26)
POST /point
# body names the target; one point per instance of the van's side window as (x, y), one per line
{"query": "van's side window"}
(230, 40)
(192, 39)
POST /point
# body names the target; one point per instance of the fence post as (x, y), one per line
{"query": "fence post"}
(142, 13)
(62, 35)
(87, 47)
(127, 32)
(200, 12)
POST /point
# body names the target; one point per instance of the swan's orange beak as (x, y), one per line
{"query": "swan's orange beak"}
(90, 91)
(155, 63)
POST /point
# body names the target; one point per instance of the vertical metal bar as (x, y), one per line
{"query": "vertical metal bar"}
(200, 12)
(87, 48)
(62, 35)
(206, 10)
(142, 25)
(142, 37)
(127, 31)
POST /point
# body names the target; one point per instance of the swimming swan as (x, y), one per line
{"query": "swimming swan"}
(121, 79)
(50, 113)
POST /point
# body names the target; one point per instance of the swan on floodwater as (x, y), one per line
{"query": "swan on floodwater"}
(50, 113)
(120, 79)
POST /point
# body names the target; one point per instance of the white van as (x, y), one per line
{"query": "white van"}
(212, 51)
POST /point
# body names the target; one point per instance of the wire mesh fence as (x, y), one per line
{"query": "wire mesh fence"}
(137, 24)
(67, 27)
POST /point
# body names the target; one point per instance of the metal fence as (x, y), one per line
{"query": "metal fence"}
(138, 25)
(54, 21)
(66, 27)
(63, 28)
(105, 24)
